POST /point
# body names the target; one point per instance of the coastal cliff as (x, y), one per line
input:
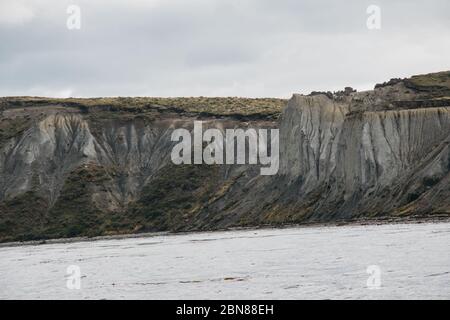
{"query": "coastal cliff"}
(87, 167)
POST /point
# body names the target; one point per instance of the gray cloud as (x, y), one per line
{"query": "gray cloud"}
(215, 48)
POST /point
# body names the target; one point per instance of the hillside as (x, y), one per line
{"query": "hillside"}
(101, 166)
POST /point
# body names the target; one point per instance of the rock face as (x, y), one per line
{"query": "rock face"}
(67, 169)
(390, 162)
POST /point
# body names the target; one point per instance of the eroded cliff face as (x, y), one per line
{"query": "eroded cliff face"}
(71, 173)
(67, 169)
(365, 164)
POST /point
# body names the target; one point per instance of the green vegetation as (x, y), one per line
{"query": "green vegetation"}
(169, 202)
(439, 79)
(100, 111)
(435, 85)
(74, 214)
(23, 217)
(220, 106)
(174, 197)
(427, 86)
(27, 216)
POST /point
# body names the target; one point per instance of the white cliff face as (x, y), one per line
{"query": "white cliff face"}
(320, 136)
(382, 146)
(310, 133)
(369, 162)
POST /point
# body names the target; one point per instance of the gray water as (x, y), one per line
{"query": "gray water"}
(293, 263)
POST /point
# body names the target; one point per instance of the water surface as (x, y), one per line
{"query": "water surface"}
(292, 263)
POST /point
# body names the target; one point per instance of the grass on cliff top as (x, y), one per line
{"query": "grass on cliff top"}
(438, 79)
(216, 105)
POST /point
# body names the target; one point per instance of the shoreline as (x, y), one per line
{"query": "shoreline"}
(357, 222)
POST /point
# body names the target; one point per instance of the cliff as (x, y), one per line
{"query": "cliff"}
(71, 167)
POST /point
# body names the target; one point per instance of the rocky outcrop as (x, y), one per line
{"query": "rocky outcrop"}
(70, 168)
(365, 164)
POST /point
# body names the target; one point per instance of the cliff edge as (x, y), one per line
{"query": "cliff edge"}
(87, 167)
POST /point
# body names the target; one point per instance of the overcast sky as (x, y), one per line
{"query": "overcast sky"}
(254, 48)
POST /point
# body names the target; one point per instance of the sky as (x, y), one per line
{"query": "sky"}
(249, 48)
